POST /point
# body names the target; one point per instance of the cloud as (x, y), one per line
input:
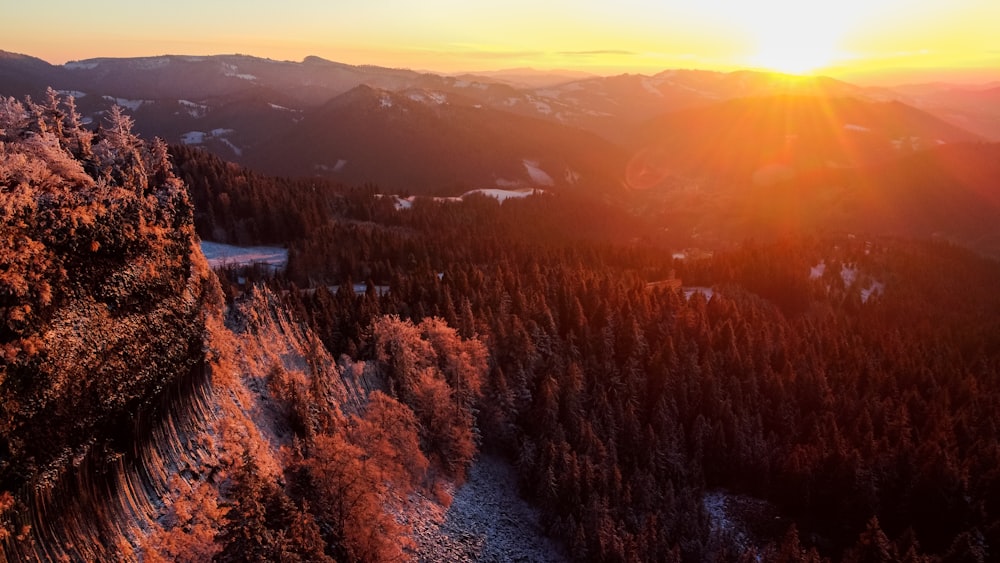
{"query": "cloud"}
(598, 53)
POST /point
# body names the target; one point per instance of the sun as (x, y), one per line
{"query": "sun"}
(797, 37)
(794, 57)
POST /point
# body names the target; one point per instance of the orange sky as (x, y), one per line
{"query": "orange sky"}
(871, 40)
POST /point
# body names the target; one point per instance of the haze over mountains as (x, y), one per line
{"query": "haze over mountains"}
(693, 149)
(285, 117)
(705, 321)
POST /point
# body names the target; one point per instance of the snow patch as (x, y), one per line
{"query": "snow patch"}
(385, 102)
(437, 97)
(876, 288)
(853, 127)
(817, 271)
(690, 291)
(537, 175)
(404, 202)
(133, 105)
(282, 108)
(219, 254)
(487, 521)
(233, 70)
(194, 109)
(849, 275)
(542, 107)
(193, 138)
(75, 93)
(341, 163)
(504, 195)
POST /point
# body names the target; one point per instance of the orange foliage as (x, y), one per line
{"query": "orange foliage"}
(350, 493)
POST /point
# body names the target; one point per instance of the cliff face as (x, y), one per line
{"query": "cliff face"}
(103, 294)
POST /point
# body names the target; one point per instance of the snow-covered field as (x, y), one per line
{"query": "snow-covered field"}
(500, 194)
(219, 254)
(706, 291)
(487, 521)
(850, 276)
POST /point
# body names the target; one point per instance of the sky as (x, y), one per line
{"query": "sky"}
(869, 40)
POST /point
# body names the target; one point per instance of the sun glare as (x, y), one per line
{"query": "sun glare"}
(795, 36)
(793, 58)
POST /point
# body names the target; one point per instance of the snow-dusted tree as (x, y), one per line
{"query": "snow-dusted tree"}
(158, 162)
(13, 119)
(118, 151)
(80, 138)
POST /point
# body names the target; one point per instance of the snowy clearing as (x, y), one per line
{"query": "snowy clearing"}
(537, 175)
(487, 521)
(133, 105)
(849, 275)
(817, 271)
(219, 254)
(283, 108)
(876, 288)
(741, 522)
(503, 195)
(194, 109)
(401, 203)
(690, 291)
(542, 107)
(193, 138)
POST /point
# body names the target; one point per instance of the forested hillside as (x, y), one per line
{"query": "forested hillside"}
(849, 381)
(846, 384)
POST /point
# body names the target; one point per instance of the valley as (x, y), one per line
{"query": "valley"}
(311, 311)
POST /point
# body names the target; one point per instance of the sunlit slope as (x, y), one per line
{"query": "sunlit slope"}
(765, 140)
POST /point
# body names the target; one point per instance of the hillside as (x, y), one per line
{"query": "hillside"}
(419, 142)
(137, 426)
(767, 140)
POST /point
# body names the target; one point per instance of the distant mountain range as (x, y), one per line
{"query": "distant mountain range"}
(712, 155)
(422, 132)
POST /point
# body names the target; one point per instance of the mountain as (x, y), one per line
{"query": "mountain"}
(472, 131)
(975, 108)
(21, 75)
(424, 141)
(764, 140)
(102, 296)
(526, 77)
